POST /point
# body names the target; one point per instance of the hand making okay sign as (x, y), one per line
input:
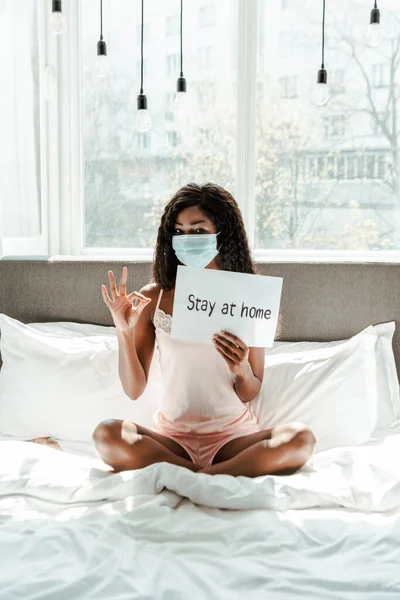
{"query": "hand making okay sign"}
(124, 314)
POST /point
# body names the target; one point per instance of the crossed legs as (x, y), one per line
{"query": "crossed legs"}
(280, 451)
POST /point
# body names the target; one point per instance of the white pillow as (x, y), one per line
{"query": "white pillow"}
(331, 389)
(141, 411)
(76, 329)
(387, 379)
(388, 389)
(58, 381)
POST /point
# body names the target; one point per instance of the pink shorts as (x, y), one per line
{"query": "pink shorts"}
(203, 448)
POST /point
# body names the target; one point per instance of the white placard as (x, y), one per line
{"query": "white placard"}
(208, 300)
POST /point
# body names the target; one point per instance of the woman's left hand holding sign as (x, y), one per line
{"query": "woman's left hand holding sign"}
(234, 351)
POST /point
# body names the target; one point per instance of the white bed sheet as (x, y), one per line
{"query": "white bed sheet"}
(71, 528)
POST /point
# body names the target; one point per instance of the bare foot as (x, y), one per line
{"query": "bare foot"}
(46, 441)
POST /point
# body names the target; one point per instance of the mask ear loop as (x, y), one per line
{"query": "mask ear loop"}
(218, 249)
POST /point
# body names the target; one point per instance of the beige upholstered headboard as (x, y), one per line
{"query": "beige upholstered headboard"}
(320, 301)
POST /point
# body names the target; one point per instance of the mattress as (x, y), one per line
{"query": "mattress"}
(72, 528)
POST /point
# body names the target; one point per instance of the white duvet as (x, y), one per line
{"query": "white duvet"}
(71, 528)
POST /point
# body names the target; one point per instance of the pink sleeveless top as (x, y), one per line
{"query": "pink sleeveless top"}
(199, 395)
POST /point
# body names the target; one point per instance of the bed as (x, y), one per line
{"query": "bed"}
(70, 528)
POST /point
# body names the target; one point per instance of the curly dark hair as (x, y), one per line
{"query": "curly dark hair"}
(219, 206)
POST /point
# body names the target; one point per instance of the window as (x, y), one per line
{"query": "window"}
(173, 25)
(173, 64)
(330, 166)
(288, 87)
(207, 16)
(20, 121)
(129, 177)
(334, 126)
(382, 119)
(352, 167)
(306, 177)
(206, 58)
(320, 175)
(205, 133)
(169, 106)
(174, 138)
(341, 166)
(381, 170)
(169, 101)
(143, 141)
(381, 75)
(336, 81)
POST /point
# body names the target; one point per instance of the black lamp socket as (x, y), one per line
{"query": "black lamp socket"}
(375, 16)
(142, 102)
(322, 76)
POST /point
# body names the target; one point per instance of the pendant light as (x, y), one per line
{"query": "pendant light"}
(181, 99)
(102, 62)
(143, 120)
(374, 31)
(321, 92)
(57, 21)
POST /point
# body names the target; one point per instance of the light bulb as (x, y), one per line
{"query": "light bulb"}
(57, 22)
(102, 65)
(374, 34)
(321, 94)
(143, 120)
(181, 103)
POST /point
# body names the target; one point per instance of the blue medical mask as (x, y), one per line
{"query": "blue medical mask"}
(195, 250)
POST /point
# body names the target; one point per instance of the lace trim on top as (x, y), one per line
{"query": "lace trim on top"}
(163, 320)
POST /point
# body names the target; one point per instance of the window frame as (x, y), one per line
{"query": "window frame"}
(61, 151)
(48, 117)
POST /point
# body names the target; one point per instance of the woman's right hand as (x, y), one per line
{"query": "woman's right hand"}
(124, 314)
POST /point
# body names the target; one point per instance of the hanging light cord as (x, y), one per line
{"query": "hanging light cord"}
(323, 35)
(375, 6)
(181, 38)
(101, 20)
(141, 50)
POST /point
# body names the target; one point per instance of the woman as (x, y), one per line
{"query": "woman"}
(204, 423)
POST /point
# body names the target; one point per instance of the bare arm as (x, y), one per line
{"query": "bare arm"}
(135, 354)
(135, 333)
